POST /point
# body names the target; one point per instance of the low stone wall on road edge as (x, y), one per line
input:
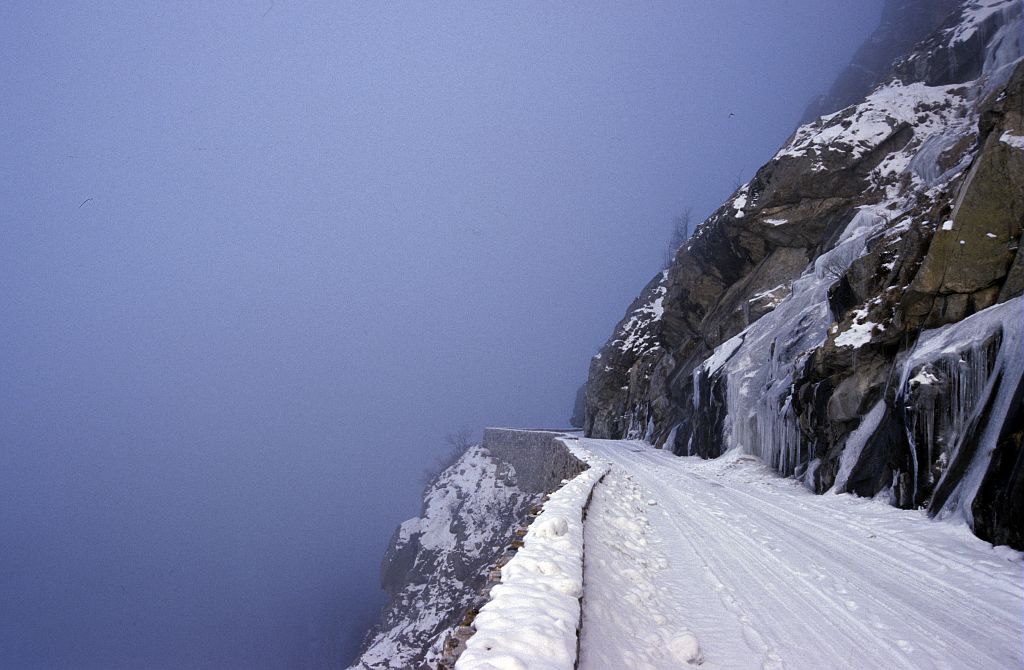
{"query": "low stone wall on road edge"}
(540, 459)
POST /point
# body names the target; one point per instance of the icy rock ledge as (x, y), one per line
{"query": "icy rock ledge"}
(532, 618)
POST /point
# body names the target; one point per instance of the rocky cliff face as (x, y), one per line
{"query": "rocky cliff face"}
(852, 315)
(437, 566)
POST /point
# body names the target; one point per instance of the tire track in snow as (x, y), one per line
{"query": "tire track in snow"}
(830, 604)
(787, 580)
(868, 591)
(964, 600)
(630, 619)
(796, 596)
(808, 519)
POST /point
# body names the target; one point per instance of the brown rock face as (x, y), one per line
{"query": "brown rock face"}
(973, 252)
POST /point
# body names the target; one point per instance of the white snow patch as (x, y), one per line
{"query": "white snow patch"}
(740, 203)
(947, 225)
(476, 476)
(771, 298)
(939, 117)
(685, 648)
(865, 126)
(776, 222)
(860, 331)
(1015, 141)
(924, 376)
(976, 13)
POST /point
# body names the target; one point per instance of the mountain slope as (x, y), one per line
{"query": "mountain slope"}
(440, 565)
(434, 567)
(853, 317)
(803, 321)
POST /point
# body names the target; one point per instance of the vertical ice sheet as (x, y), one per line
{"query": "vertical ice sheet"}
(979, 362)
(855, 444)
(760, 374)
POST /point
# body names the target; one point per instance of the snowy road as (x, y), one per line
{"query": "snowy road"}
(764, 574)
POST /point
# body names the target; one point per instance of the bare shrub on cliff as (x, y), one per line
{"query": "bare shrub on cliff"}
(680, 233)
(456, 444)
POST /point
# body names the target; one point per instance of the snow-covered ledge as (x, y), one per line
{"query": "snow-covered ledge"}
(533, 616)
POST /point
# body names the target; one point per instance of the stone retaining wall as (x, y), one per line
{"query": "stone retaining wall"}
(540, 460)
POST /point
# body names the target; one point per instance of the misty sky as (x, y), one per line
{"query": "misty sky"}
(258, 258)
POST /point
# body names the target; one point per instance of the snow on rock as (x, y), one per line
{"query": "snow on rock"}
(532, 617)
(1015, 141)
(924, 376)
(722, 353)
(474, 476)
(976, 13)
(436, 561)
(861, 128)
(637, 332)
(740, 203)
(860, 331)
(936, 115)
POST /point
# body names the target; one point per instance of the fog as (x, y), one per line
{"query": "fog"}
(258, 258)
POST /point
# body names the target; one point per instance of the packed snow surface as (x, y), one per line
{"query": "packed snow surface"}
(733, 566)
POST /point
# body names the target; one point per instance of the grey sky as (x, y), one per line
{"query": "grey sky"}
(259, 257)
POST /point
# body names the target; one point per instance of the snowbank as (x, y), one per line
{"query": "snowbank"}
(533, 616)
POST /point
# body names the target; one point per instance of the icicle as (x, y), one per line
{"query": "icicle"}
(760, 374)
(670, 441)
(1004, 49)
(696, 389)
(975, 360)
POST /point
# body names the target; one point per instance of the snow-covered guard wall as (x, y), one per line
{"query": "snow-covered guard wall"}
(533, 617)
